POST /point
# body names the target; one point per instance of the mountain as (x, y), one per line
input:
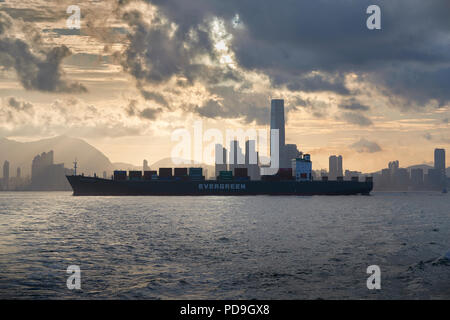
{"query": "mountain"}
(125, 166)
(66, 150)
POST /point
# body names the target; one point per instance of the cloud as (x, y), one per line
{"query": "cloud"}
(20, 105)
(365, 146)
(146, 113)
(236, 104)
(290, 40)
(37, 68)
(353, 105)
(356, 118)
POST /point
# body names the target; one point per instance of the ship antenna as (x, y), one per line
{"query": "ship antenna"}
(75, 167)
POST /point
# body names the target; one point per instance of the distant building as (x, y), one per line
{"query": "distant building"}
(252, 160)
(417, 178)
(393, 166)
(19, 173)
(105, 175)
(350, 174)
(335, 167)
(236, 157)
(439, 160)
(221, 159)
(45, 175)
(439, 166)
(145, 166)
(433, 179)
(401, 179)
(6, 175)
(292, 152)
(385, 181)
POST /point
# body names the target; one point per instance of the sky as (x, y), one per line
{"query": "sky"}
(138, 70)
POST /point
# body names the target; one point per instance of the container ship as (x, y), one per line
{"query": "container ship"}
(191, 182)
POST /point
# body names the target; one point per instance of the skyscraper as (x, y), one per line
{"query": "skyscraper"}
(6, 174)
(439, 160)
(335, 167)
(251, 160)
(277, 122)
(291, 152)
(439, 166)
(340, 172)
(236, 157)
(221, 159)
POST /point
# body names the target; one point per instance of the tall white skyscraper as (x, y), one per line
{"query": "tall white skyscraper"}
(277, 122)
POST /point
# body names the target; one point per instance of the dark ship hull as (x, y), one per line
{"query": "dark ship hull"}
(89, 186)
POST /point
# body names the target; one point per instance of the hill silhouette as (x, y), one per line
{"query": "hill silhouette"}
(66, 149)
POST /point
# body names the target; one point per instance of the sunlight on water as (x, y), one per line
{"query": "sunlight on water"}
(224, 247)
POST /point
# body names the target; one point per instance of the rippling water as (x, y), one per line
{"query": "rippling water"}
(224, 247)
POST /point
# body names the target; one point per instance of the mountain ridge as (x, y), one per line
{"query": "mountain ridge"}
(66, 150)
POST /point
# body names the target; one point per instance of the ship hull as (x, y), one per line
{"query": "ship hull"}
(91, 186)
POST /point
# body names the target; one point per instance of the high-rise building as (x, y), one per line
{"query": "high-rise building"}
(292, 152)
(439, 161)
(145, 166)
(19, 173)
(340, 171)
(250, 152)
(335, 167)
(221, 159)
(393, 166)
(252, 160)
(236, 157)
(46, 175)
(6, 175)
(277, 122)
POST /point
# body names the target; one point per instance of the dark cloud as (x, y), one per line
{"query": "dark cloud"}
(155, 97)
(235, 104)
(428, 136)
(289, 40)
(147, 113)
(355, 118)
(156, 52)
(366, 146)
(37, 68)
(20, 105)
(353, 105)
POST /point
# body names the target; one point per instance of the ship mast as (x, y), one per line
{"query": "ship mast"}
(75, 167)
